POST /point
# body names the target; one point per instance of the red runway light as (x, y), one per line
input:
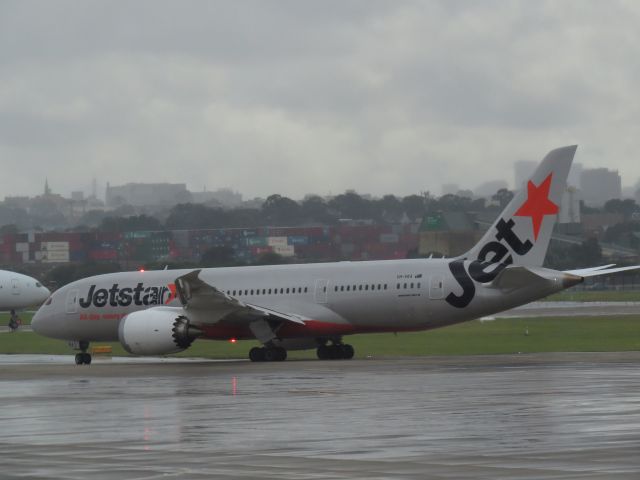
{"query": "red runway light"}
(233, 340)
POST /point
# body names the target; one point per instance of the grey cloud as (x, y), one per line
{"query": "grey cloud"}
(314, 96)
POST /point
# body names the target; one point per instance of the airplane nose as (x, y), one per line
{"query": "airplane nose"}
(44, 293)
(36, 321)
(39, 323)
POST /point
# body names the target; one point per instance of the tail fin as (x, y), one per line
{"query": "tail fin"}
(522, 232)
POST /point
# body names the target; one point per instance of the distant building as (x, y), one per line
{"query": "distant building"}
(599, 185)
(223, 196)
(574, 175)
(488, 189)
(570, 206)
(147, 194)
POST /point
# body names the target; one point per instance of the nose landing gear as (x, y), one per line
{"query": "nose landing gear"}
(83, 358)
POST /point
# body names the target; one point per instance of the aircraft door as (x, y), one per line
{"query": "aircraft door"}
(15, 286)
(436, 288)
(322, 290)
(72, 301)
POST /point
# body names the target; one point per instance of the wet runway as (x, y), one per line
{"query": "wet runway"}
(534, 416)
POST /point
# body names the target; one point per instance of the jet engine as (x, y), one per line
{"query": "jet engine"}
(156, 331)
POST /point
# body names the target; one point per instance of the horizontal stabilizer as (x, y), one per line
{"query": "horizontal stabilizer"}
(513, 278)
(516, 277)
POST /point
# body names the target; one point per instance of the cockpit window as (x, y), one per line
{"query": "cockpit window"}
(38, 284)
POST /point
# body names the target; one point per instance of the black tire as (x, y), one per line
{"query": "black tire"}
(87, 358)
(281, 354)
(347, 351)
(270, 354)
(323, 352)
(79, 359)
(337, 352)
(256, 354)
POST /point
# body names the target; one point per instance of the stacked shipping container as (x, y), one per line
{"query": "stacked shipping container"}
(343, 242)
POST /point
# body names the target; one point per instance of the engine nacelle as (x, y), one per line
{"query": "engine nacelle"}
(156, 331)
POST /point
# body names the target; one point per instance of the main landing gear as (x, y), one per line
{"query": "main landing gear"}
(267, 354)
(336, 351)
(83, 358)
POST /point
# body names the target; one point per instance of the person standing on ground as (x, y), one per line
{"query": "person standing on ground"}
(14, 321)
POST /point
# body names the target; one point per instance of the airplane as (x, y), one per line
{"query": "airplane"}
(307, 306)
(18, 291)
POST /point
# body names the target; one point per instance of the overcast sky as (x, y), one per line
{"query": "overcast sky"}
(295, 96)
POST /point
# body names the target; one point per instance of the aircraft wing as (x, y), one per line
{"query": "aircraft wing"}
(604, 270)
(211, 304)
(581, 271)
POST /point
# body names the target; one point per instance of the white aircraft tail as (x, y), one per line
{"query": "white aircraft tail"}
(522, 232)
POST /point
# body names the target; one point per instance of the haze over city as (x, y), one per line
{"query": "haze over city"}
(298, 97)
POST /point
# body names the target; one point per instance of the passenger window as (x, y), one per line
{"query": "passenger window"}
(287, 290)
(348, 287)
(305, 289)
(252, 291)
(385, 286)
(281, 291)
(404, 286)
(269, 291)
(419, 285)
(342, 288)
(264, 291)
(366, 287)
(411, 284)
(398, 286)
(234, 293)
(335, 289)
(359, 287)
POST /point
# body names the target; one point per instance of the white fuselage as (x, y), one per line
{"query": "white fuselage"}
(19, 291)
(335, 298)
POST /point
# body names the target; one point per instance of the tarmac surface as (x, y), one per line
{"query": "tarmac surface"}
(538, 416)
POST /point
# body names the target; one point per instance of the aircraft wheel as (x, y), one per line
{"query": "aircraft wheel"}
(256, 354)
(281, 354)
(347, 351)
(323, 352)
(83, 358)
(272, 354)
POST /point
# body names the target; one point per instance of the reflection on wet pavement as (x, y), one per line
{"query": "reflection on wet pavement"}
(498, 417)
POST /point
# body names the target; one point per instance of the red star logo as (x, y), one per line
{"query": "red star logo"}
(172, 293)
(538, 204)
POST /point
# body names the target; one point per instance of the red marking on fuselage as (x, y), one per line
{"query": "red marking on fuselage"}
(311, 328)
